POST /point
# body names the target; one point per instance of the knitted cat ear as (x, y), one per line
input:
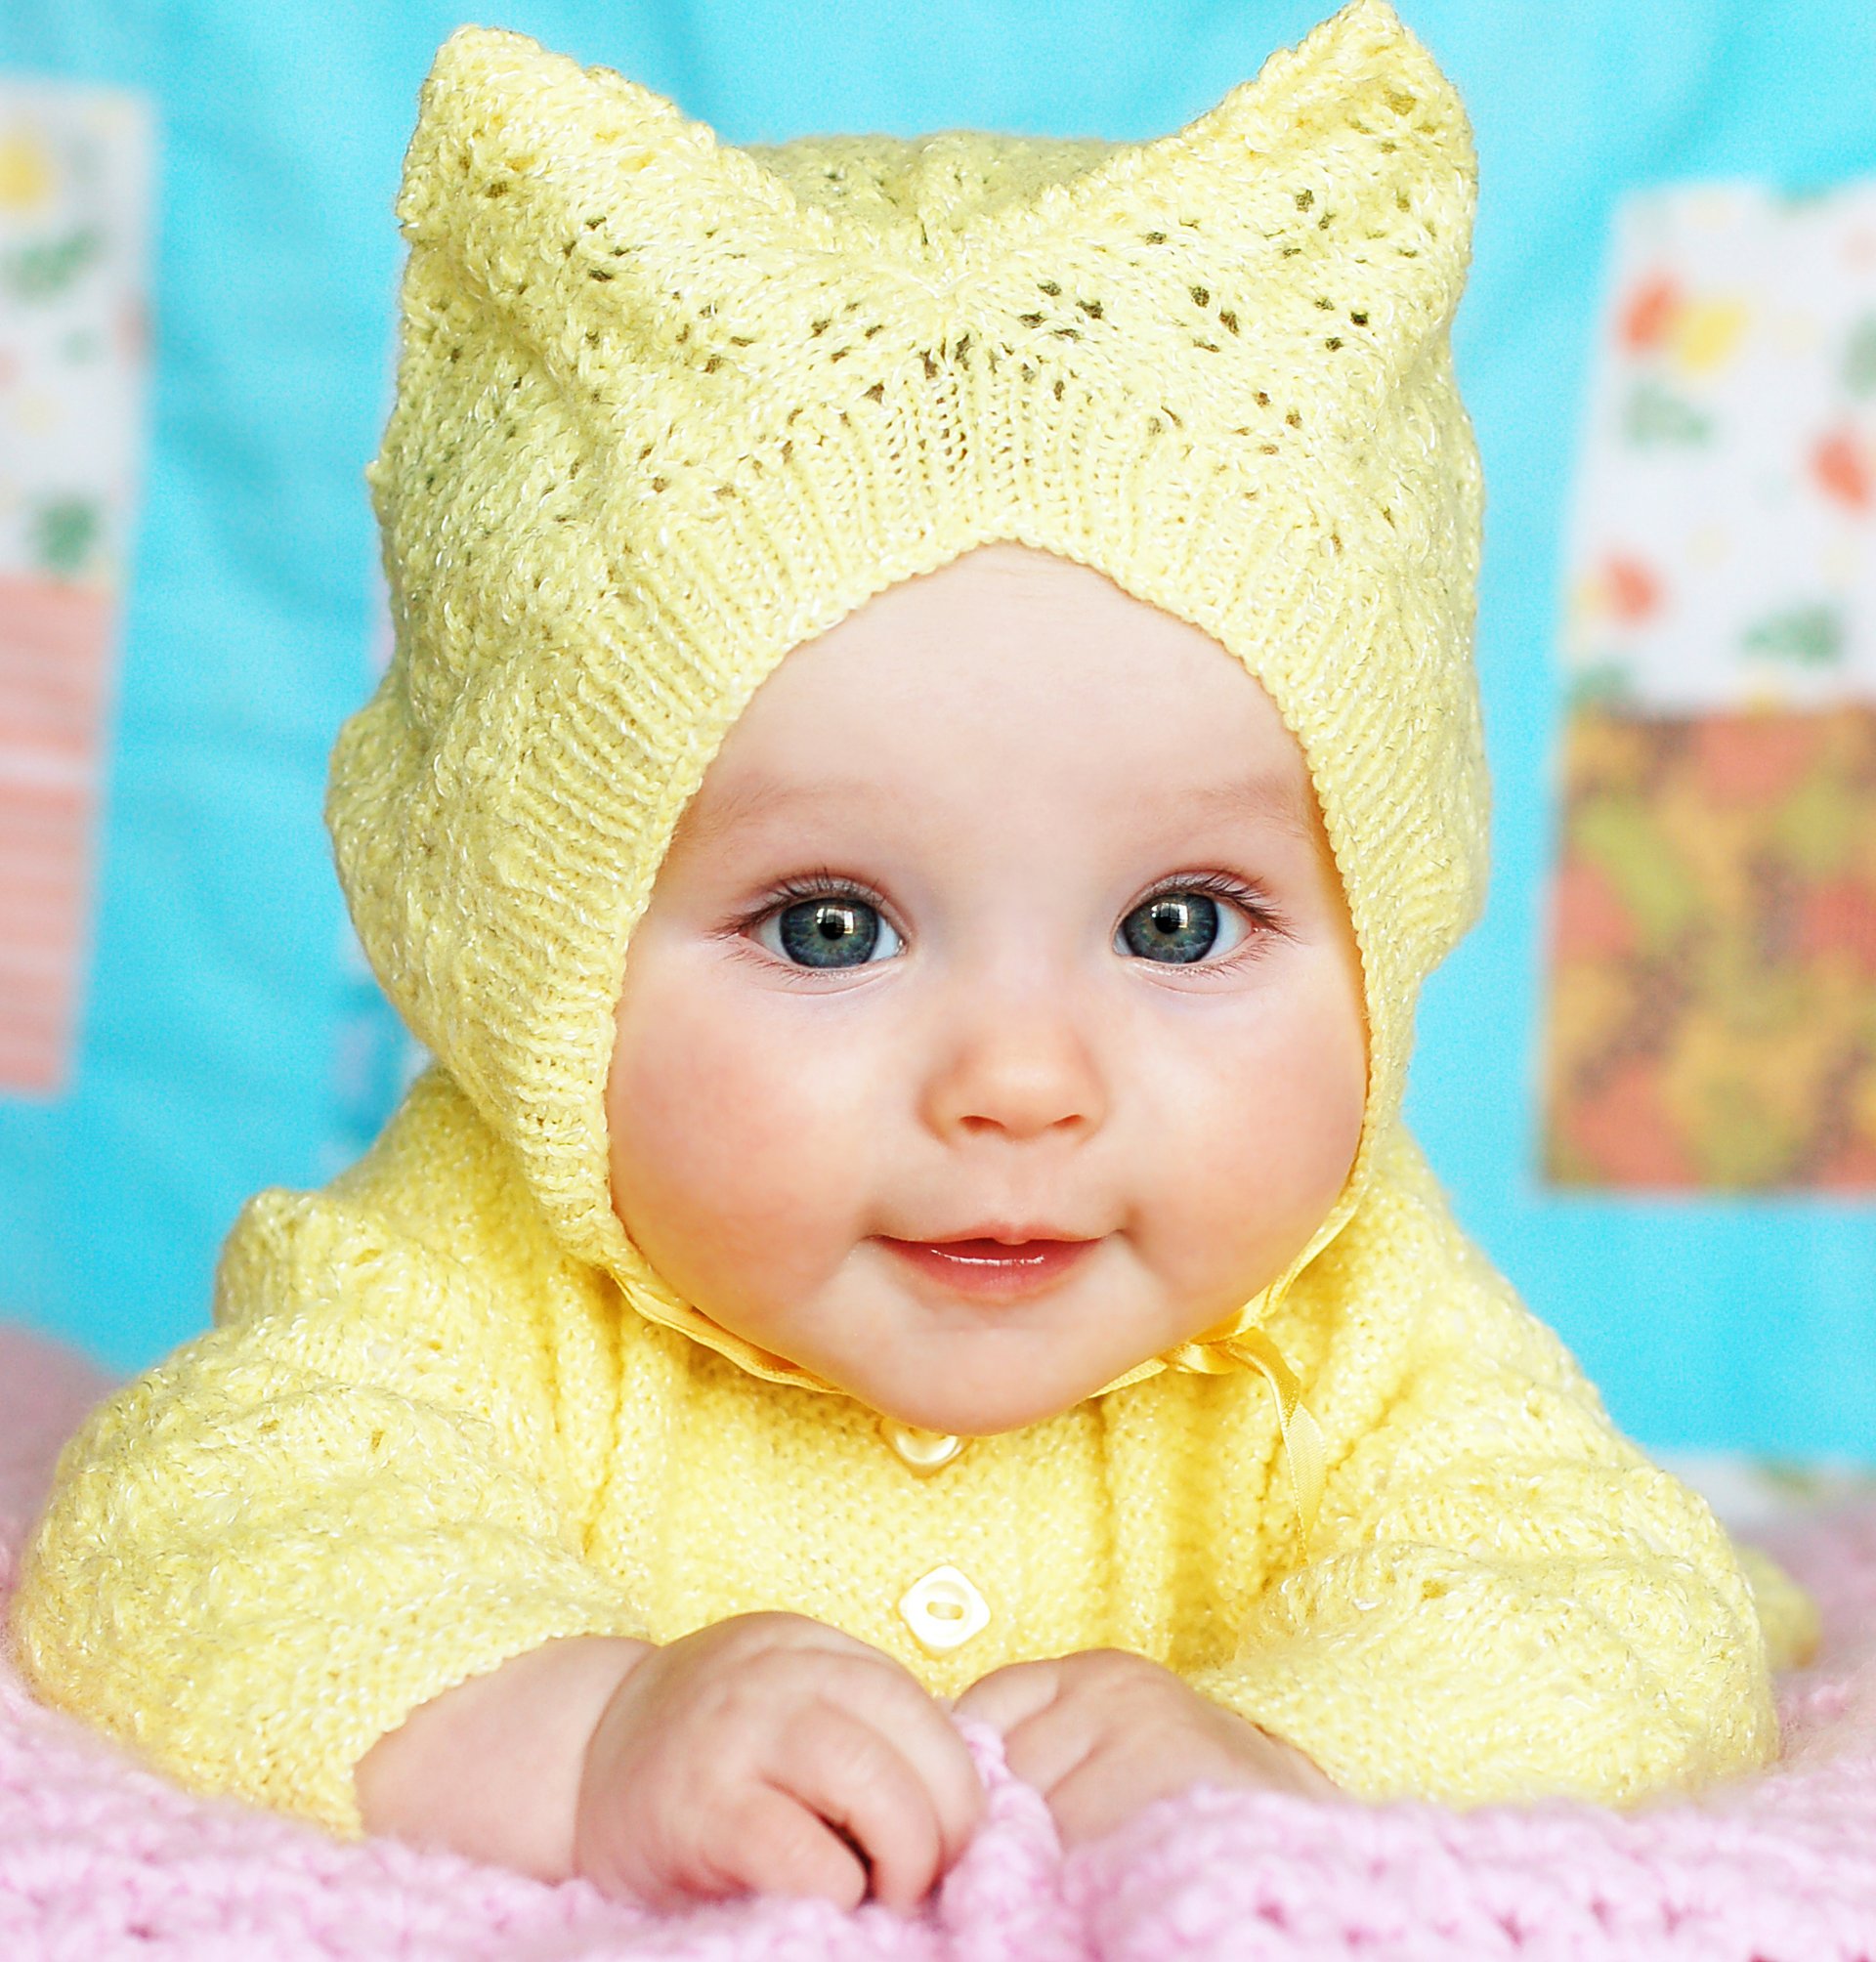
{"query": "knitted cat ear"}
(570, 195)
(1356, 92)
(1351, 152)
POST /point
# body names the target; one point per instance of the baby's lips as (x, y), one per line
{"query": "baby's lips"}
(993, 1267)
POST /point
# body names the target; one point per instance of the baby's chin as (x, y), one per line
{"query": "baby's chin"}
(978, 1410)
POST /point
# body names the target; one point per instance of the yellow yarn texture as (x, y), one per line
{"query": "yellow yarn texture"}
(667, 410)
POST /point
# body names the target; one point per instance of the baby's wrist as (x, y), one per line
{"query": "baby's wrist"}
(493, 1768)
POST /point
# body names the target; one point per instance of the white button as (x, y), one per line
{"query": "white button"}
(944, 1611)
(921, 1451)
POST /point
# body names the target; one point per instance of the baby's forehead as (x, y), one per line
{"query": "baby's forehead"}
(1007, 632)
(1005, 679)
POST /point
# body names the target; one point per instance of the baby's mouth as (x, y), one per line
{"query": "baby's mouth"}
(994, 1270)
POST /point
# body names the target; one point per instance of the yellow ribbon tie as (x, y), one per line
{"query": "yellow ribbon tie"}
(1301, 1434)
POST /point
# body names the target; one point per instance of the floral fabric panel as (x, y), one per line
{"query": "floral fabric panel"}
(1723, 549)
(74, 176)
(1713, 990)
(1711, 1003)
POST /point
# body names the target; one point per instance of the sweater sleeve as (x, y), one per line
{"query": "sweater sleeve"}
(348, 1497)
(1504, 1598)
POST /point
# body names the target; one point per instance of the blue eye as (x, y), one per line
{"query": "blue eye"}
(828, 927)
(827, 930)
(1172, 927)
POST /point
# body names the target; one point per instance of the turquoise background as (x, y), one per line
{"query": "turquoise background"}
(225, 1044)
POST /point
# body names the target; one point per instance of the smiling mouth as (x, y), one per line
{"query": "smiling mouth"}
(994, 1270)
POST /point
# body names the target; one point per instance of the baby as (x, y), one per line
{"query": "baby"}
(931, 746)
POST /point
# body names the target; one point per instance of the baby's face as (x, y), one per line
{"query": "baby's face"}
(1003, 915)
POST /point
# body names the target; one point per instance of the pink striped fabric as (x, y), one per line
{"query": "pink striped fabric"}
(55, 662)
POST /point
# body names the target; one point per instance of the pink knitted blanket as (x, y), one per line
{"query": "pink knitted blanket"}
(100, 1858)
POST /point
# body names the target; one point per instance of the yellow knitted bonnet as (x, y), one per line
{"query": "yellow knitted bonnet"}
(667, 408)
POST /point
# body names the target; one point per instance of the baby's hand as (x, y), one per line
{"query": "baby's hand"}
(1104, 1733)
(773, 1753)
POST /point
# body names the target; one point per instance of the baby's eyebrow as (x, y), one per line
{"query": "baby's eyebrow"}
(1275, 800)
(759, 796)
(1271, 798)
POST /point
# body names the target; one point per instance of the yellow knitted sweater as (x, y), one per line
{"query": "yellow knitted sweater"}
(666, 411)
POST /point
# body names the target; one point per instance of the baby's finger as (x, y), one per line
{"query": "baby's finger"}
(1051, 1744)
(1010, 1695)
(1102, 1788)
(896, 1704)
(774, 1844)
(855, 1779)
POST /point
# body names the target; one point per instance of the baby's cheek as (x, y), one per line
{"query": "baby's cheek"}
(736, 1142)
(1253, 1155)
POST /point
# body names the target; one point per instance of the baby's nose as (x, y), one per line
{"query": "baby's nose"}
(1020, 1064)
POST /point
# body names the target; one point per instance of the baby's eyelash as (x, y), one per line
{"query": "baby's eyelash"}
(821, 883)
(826, 883)
(1252, 900)
(1264, 923)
